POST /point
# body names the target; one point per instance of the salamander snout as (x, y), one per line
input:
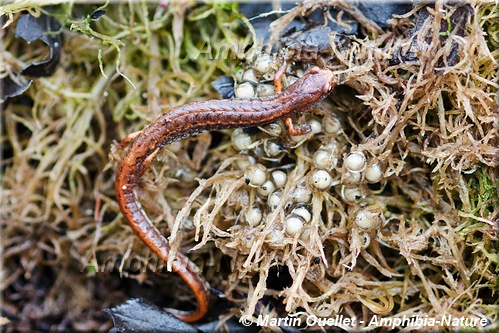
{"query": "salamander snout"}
(323, 77)
(329, 80)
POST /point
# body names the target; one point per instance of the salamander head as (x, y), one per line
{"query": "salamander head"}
(313, 86)
(323, 79)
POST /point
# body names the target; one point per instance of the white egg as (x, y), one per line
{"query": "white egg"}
(266, 188)
(321, 179)
(245, 90)
(373, 173)
(256, 175)
(280, 178)
(241, 140)
(254, 216)
(293, 224)
(355, 162)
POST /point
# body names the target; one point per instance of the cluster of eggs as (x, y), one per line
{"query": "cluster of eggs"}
(335, 164)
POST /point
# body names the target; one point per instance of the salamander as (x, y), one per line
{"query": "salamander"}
(186, 121)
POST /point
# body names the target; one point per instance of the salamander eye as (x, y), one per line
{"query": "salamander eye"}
(327, 88)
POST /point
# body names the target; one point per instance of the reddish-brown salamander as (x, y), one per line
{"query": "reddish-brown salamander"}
(190, 119)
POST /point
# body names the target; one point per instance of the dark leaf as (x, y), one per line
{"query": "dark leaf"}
(46, 29)
(381, 11)
(12, 88)
(225, 86)
(457, 25)
(98, 14)
(306, 36)
(137, 315)
(315, 39)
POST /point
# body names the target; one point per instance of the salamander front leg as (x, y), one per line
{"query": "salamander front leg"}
(293, 130)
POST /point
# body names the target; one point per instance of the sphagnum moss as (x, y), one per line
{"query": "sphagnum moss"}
(421, 239)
